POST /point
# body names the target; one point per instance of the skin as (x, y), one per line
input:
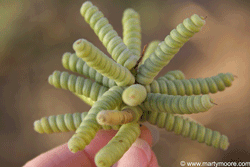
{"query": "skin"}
(140, 154)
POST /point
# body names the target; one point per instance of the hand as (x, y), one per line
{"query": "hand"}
(139, 154)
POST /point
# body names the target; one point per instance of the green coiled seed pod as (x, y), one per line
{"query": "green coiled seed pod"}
(173, 75)
(102, 63)
(90, 102)
(89, 126)
(134, 95)
(107, 35)
(191, 86)
(188, 128)
(150, 49)
(118, 145)
(77, 85)
(76, 64)
(177, 104)
(62, 123)
(132, 31)
(166, 50)
(115, 117)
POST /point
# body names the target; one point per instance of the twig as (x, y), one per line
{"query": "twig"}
(142, 54)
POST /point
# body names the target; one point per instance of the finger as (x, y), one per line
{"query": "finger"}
(153, 162)
(139, 154)
(154, 132)
(146, 135)
(103, 137)
(60, 156)
(63, 157)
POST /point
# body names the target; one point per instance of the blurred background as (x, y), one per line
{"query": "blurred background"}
(35, 34)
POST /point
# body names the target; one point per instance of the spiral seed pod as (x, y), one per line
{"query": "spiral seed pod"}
(115, 117)
(177, 104)
(134, 95)
(166, 50)
(187, 128)
(150, 49)
(102, 63)
(118, 145)
(63, 123)
(76, 64)
(77, 85)
(107, 35)
(89, 126)
(132, 31)
(191, 86)
(90, 102)
(173, 75)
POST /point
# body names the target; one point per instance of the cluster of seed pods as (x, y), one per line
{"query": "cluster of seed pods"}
(123, 96)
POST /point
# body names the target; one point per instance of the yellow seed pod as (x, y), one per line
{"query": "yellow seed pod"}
(114, 117)
(134, 95)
